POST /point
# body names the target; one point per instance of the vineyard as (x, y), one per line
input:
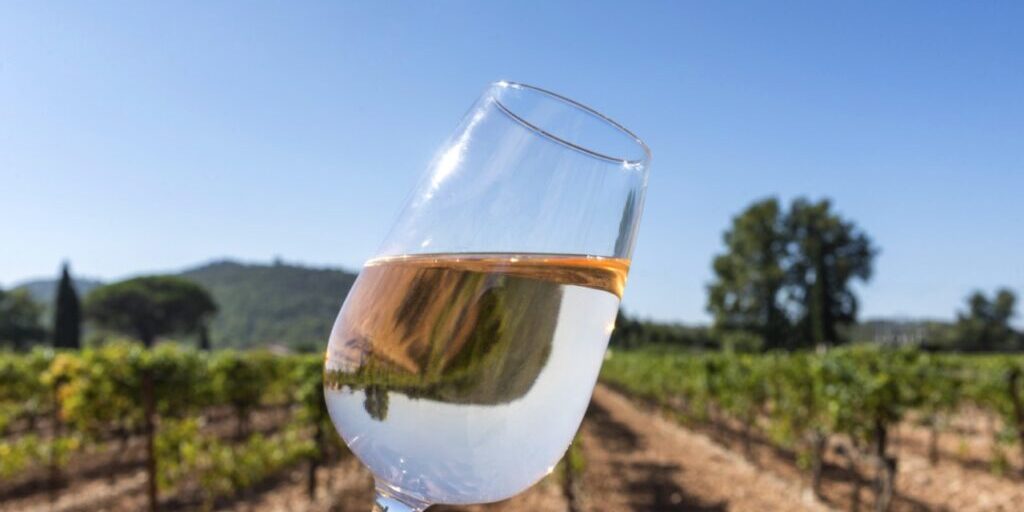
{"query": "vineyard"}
(204, 427)
(847, 401)
(194, 411)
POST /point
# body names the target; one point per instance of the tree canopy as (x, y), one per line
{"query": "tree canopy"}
(829, 252)
(150, 307)
(784, 278)
(632, 332)
(751, 275)
(19, 319)
(985, 324)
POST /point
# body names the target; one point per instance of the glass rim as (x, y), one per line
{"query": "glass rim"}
(637, 162)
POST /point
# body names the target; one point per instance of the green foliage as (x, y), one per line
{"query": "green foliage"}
(867, 388)
(985, 324)
(742, 341)
(67, 318)
(107, 376)
(278, 303)
(180, 380)
(150, 307)
(19, 320)
(799, 399)
(800, 414)
(236, 380)
(22, 392)
(631, 332)
(575, 461)
(785, 276)
(244, 381)
(750, 276)
(18, 454)
(996, 388)
(307, 383)
(829, 252)
(99, 391)
(22, 453)
(223, 468)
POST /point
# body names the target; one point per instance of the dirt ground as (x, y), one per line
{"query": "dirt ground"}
(961, 481)
(637, 461)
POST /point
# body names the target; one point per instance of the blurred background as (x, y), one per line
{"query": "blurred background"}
(822, 307)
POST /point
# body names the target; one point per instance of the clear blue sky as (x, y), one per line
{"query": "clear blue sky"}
(139, 137)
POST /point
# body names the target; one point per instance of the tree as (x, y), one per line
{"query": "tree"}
(150, 307)
(746, 296)
(625, 333)
(19, 319)
(829, 252)
(784, 278)
(67, 318)
(147, 308)
(985, 325)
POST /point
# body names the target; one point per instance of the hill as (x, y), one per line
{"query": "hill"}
(44, 291)
(279, 303)
(259, 304)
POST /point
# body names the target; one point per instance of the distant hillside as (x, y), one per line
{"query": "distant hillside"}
(44, 291)
(259, 304)
(278, 303)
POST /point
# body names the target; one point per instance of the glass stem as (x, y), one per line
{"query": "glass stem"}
(389, 501)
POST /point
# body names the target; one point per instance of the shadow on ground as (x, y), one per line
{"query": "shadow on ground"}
(648, 484)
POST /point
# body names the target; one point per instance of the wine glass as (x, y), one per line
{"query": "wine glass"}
(464, 357)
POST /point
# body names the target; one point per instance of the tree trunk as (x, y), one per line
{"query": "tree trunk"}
(933, 442)
(122, 447)
(241, 423)
(149, 409)
(54, 464)
(851, 468)
(885, 469)
(570, 488)
(818, 444)
(884, 483)
(748, 451)
(331, 456)
(314, 461)
(204, 338)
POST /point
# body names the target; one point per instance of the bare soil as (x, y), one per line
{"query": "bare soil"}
(962, 480)
(638, 460)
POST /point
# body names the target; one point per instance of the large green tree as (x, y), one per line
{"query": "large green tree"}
(829, 252)
(985, 324)
(150, 307)
(784, 279)
(746, 295)
(19, 319)
(67, 317)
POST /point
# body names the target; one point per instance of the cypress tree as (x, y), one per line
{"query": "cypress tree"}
(67, 320)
